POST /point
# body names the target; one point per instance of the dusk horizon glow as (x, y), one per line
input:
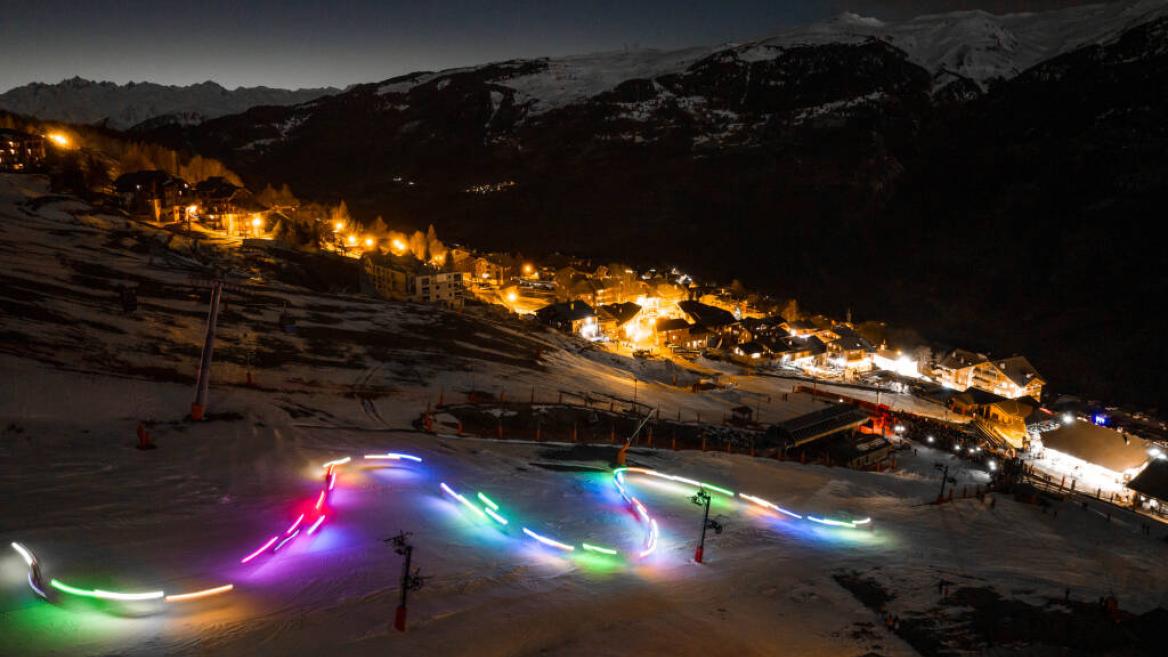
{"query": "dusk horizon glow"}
(309, 45)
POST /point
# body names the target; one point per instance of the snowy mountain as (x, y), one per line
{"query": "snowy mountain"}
(793, 161)
(78, 100)
(975, 45)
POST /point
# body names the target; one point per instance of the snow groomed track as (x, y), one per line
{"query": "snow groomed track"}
(313, 512)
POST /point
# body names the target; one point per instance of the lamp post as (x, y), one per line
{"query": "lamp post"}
(702, 499)
(410, 581)
(944, 468)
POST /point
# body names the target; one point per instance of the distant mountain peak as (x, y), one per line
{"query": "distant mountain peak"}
(79, 100)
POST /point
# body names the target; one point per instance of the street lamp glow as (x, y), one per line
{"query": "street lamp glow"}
(369, 242)
(351, 240)
(256, 222)
(338, 226)
(60, 139)
(1068, 418)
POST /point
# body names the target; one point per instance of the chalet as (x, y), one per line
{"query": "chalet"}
(1011, 377)
(715, 320)
(678, 333)
(494, 268)
(955, 369)
(574, 317)
(21, 151)
(835, 332)
(849, 352)
(673, 331)
(225, 206)
(753, 328)
(796, 351)
(750, 352)
(800, 328)
(154, 193)
(613, 318)
(1001, 419)
(404, 278)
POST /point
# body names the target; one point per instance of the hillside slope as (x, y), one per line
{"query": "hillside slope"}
(77, 375)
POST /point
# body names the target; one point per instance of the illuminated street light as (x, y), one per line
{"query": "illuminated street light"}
(351, 240)
(338, 226)
(369, 242)
(60, 139)
(1068, 418)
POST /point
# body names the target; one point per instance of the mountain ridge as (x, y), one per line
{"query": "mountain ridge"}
(124, 106)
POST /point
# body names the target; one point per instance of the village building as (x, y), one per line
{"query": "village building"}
(21, 151)
(1151, 486)
(1011, 377)
(897, 362)
(716, 320)
(797, 351)
(223, 205)
(156, 194)
(491, 269)
(575, 317)
(405, 278)
(613, 318)
(677, 333)
(849, 352)
(1098, 457)
(799, 328)
(749, 352)
(1001, 419)
(833, 433)
(754, 328)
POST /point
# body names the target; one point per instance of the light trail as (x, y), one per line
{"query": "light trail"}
(548, 541)
(199, 595)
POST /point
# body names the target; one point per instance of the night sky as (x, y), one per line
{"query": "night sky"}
(309, 44)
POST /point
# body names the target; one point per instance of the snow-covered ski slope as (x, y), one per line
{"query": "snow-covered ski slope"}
(78, 376)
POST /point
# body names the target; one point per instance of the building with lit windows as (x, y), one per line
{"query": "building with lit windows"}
(404, 278)
(20, 151)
